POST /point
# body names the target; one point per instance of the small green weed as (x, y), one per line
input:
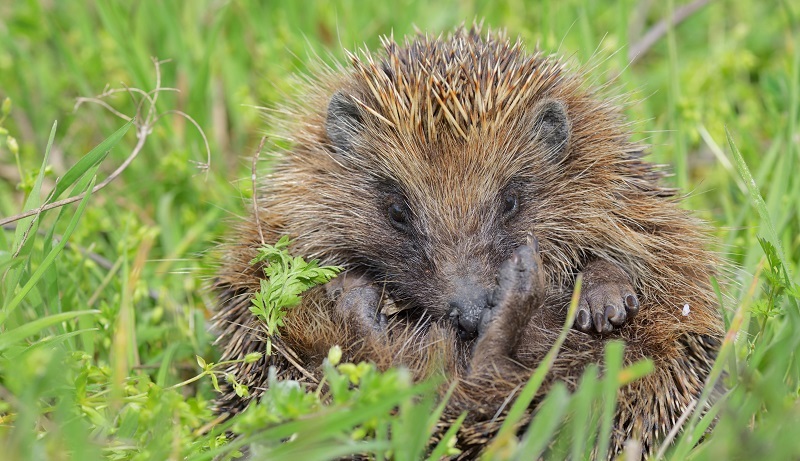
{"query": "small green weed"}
(287, 278)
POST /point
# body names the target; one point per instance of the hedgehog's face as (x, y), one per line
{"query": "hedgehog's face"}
(443, 215)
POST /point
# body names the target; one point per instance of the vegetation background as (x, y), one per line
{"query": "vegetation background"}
(104, 309)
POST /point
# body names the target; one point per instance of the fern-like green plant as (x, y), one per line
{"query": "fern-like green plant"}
(287, 277)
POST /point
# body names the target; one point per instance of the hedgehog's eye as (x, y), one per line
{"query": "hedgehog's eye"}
(510, 204)
(398, 216)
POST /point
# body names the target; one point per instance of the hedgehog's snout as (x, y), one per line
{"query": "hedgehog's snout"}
(466, 304)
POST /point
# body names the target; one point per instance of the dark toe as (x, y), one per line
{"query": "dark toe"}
(601, 323)
(583, 321)
(616, 315)
(631, 305)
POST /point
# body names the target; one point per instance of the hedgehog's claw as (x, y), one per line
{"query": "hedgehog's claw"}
(607, 301)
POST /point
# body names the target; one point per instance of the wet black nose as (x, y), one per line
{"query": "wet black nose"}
(466, 306)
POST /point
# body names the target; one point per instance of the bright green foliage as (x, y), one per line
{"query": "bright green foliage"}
(775, 287)
(287, 278)
(105, 352)
(353, 417)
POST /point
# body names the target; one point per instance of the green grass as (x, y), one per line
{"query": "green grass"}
(104, 309)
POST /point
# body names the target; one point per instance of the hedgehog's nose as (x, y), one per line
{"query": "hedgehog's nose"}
(466, 306)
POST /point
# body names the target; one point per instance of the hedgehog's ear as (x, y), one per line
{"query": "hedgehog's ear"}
(344, 122)
(552, 129)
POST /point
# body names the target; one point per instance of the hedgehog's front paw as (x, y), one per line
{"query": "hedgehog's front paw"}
(520, 290)
(358, 301)
(608, 299)
(520, 285)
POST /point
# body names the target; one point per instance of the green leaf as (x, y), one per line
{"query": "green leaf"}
(94, 157)
(29, 226)
(544, 424)
(287, 278)
(11, 337)
(613, 363)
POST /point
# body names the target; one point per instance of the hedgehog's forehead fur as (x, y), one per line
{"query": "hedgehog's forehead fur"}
(467, 104)
(462, 84)
(453, 121)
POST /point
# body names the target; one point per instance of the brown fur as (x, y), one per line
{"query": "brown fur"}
(447, 124)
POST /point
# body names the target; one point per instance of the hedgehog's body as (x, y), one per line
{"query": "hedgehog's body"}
(430, 173)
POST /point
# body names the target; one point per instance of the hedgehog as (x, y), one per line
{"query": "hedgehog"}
(464, 184)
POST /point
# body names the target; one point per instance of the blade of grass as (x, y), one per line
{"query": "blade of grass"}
(322, 451)
(441, 448)
(708, 419)
(28, 225)
(51, 298)
(544, 424)
(22, 244)
(687, 439)
(610, 384)
(11, 337)
(634, 372)
(408, 441)
(93, 158)
(50, 258)
(673, 104)
(584, 425)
